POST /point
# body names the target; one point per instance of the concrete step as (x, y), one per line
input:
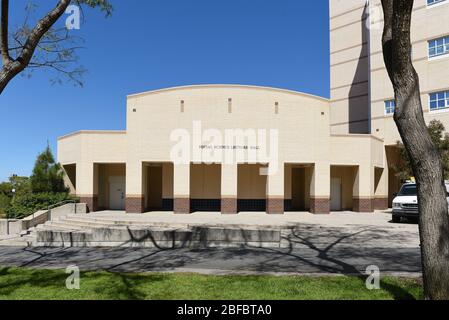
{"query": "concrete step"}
(68, 226)
(120, 221)
(91, 222)
(146, 221)
(137, 236)
(55, 227)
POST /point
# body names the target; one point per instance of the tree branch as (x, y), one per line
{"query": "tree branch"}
(39, 31)
(387, 37)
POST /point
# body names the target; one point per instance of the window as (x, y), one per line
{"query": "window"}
(439, 100)
(408, 190)
(390, 107)
(438, 47)
(431, 2)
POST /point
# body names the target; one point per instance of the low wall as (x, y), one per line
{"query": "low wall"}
(37, 218)
(8, 227)
(71, 208)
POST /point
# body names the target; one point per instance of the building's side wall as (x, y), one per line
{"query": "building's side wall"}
(349, 47)
(365, 153)
(87, 150)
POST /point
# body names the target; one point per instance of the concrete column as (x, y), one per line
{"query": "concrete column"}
(363, 193)
(275, 192)
(87, 185)
(229, 175)
(381, 186)
(181, 201)
(320, 188)
(134, 188)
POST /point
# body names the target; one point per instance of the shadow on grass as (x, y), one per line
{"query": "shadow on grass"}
(114, 286)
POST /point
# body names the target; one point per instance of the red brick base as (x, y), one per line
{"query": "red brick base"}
(275, 205)
(381, 203)
(320, 206)
(363, 205)
(181, 205)
(229, 206)
(135, 205)
(91, 202)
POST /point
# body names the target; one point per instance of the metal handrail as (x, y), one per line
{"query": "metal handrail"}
(62, 203)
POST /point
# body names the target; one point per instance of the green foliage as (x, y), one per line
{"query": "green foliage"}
(437, 131)
(43, 189)
(48, 175)
(5, 202)
(26, 204)
(21, 186)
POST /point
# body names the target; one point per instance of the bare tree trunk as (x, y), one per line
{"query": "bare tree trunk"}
(425, 159)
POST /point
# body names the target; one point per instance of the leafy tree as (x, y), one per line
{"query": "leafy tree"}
(41, 44)
(424, 155)
(21, 185)
(47, 175)
(403, 169)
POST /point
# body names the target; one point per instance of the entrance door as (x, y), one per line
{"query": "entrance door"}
(336, 194)
(155, 187)
(117, 189)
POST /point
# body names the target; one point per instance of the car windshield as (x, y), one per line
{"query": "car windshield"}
(409, 190)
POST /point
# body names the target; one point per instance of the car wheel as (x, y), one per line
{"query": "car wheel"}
(396, 219)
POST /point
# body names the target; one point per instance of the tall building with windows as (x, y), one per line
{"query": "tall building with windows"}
(362, 97)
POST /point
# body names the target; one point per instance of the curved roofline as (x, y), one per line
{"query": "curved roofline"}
(235, 86)
(80, 132)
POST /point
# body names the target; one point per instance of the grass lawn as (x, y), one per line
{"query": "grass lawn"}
(17, 283)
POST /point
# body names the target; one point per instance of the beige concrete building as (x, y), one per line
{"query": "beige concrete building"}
(310, 169)
(235, 148)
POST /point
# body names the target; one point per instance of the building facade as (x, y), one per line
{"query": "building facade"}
(139, 170)
(235, 148)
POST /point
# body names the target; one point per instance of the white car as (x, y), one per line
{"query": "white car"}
(405, 205)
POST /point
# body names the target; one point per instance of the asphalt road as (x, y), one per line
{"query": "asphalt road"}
(309, 249)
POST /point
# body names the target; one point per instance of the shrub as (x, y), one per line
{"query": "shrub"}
(25, 205)
(5, 202)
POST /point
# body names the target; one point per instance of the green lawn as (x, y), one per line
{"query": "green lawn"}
(18, 283)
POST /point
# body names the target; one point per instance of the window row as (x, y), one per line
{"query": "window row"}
(437, 101)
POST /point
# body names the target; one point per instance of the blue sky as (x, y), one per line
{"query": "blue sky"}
(154, 44)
